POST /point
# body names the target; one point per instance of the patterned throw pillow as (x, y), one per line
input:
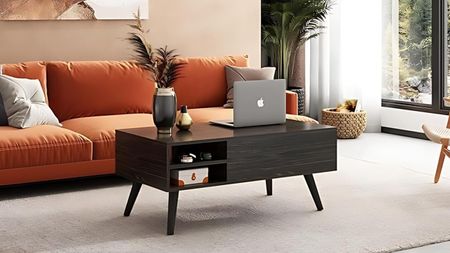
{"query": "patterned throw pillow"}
(24, 103)
(235, 74)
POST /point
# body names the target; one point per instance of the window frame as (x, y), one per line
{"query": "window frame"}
(439, 65)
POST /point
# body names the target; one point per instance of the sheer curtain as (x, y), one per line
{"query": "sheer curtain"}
(346, 60)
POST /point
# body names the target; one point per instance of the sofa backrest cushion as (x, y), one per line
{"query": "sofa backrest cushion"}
(202, 81)
(84, 89)
(29, 70)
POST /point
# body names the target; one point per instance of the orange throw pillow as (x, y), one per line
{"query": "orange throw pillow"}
(203, 82)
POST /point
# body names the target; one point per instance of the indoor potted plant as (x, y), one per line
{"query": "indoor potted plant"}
(164, 69)
(286, 26)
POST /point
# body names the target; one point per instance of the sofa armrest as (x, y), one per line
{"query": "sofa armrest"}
(291, 102)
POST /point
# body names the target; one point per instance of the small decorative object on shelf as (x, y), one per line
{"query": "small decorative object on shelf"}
(184, 120)
(301, 99)
(164, 69)
(205, 156)
(188, 158)
(348, 118)
(181, 178)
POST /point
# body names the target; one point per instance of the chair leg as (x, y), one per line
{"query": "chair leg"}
(440, 164)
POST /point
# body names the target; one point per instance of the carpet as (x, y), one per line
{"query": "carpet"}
(381, 199)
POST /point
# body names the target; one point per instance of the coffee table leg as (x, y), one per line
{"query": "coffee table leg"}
(172, 214)
(132, 198)
(314, 192)
(269, 187)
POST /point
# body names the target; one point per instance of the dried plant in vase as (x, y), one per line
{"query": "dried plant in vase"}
(164, 69)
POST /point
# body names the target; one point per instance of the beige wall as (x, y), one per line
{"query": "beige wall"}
(194, 27)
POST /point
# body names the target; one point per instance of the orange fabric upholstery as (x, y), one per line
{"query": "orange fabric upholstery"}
(41, 145)
(204, 115)
(23, 175)
(291, 103)
(83, 89)
(101, 130)
(203, 81)
(30, 70)
(92, 100)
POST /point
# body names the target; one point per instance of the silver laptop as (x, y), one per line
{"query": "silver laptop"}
(257, 103)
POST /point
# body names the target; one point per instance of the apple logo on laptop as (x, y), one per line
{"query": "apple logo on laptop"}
(260, 103)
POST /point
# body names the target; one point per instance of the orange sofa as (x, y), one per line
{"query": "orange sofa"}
(92, 100)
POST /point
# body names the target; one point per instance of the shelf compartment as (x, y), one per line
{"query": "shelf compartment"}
(217, 173)
(218, 151)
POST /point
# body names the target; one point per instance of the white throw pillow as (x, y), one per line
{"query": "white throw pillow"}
(234, 74)
(24, 103)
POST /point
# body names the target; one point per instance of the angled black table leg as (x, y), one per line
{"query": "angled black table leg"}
(172, 214)
(132, 198)
(314, 192)
(269, 187)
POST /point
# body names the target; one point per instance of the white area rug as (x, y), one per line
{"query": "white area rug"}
(381, 199)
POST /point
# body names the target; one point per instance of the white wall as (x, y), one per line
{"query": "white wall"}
(410, 120)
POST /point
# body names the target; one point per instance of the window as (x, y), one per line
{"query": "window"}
(409, 67)
(415, 52)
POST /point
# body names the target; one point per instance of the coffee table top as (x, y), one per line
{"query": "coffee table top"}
(201, 132)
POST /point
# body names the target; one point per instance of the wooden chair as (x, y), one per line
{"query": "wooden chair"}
(441, 136)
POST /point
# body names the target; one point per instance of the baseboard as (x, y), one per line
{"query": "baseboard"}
(401, 132)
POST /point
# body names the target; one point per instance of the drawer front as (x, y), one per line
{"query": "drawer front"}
(262, 157)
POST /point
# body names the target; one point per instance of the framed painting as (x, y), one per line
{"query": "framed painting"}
(72, 9)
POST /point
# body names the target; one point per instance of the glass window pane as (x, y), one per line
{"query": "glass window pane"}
(407, 42)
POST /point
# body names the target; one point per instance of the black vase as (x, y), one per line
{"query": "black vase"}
(164, 109)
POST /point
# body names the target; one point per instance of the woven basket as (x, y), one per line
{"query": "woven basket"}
(349, 125)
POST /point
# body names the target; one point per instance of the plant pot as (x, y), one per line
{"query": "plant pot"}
(164, 109)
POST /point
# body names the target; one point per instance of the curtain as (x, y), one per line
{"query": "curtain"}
(345, 61)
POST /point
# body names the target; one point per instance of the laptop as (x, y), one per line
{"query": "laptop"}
(257, 103)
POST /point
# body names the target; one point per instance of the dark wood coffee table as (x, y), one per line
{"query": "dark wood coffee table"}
(239, 155)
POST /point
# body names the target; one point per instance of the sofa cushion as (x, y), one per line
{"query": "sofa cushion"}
(41, 145)
(30, 70)
(24, 103)
(203, 82)
(101, 130)
(84, 89)
(204, 115)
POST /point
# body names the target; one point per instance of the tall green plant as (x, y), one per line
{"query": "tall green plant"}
(287, 25)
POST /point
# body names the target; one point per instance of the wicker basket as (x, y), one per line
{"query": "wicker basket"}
(349, 125)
